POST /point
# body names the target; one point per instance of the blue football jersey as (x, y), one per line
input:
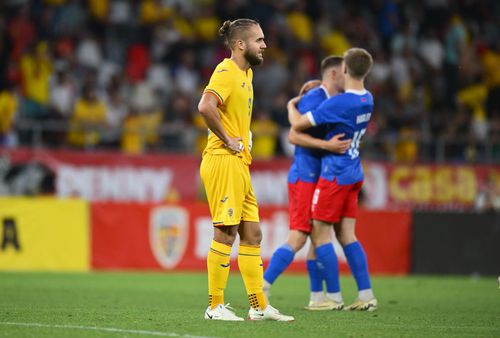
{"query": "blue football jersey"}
(347, 113)
(306, 164)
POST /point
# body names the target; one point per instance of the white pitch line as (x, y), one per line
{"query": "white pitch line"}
(107, 329)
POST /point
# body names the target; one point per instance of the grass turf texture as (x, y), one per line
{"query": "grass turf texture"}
(173, 304)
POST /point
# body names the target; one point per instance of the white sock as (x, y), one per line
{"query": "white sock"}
(335, 296)
(266, 285)
(365, 295)
(316, 297)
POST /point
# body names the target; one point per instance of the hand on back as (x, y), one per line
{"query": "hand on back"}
(338, 146)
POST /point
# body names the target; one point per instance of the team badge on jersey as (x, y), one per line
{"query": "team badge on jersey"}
(168, 233)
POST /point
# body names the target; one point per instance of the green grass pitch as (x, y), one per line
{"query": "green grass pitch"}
(172, 305)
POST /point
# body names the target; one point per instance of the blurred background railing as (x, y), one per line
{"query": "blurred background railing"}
(187, 139)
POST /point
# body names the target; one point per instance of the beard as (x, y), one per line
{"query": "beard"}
(252, 58)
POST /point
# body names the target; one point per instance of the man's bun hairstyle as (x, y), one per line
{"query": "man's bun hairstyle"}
(234, 30)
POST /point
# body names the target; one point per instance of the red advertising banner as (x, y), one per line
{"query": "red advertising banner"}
(178, 236)
(111, 176)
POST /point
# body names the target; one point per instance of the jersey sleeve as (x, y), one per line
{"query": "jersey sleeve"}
(309, 101)
(221, 84)
(303, 105)
(328, 112)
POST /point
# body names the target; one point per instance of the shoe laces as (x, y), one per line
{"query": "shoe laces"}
(272, 309)
(229, 308)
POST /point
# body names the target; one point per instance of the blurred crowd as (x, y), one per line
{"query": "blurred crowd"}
(128, 74)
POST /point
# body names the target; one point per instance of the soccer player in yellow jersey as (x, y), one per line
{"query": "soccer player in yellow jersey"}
(226, 107)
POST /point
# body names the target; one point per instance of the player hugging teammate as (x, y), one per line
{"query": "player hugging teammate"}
(335, 199)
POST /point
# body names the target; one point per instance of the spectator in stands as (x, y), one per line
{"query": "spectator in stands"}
(116, 112)
(140, 131)
(8, 111)
(426, 52)
(138, 62)
(472, 99)
(36, 71)
(5, 49)
(141, 126)
(88, 52)
(271, 79)
(490, 62)
(406, 150)
(186, 75)
(300, 23)
(153, 12)
(164, 37)
(22, 32)
(455, 44)
(206, 24)
(389, 20)
(99, 12)
(132, 139)
(62, 95)
(88, 120)
(333, 40)
(279, 115)
(265, 133)
(71, 19)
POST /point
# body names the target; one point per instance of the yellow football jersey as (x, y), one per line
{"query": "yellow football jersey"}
(233, 88)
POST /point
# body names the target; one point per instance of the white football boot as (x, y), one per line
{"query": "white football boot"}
(324, 305)
(359, 305)
(222, 312)
(269, 313)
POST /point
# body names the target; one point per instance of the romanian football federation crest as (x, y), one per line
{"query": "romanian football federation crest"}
(168, 233)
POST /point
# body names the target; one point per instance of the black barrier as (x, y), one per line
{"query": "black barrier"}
(456, 243)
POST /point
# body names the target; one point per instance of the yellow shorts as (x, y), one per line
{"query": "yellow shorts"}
(229, 190)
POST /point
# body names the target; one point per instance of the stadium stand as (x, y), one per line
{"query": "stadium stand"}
(436, 77)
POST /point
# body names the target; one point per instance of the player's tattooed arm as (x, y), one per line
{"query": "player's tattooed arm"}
(333, 145)
(298, 121)
(208, 110)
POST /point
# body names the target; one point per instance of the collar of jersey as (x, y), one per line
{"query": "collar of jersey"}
(357, 92)
(326, 91)
(235, 65)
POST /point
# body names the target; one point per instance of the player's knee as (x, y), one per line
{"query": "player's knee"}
(225, 237)
(256, 238)
(251, 238)
(346, 238)
(297, 242)
(319, 239)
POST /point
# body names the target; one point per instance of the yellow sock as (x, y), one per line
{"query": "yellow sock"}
(250, 264)
(218, 272)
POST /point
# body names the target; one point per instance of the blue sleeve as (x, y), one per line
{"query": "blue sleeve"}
(328, 112)
(302, 105)
(311, 100)
(305, 104)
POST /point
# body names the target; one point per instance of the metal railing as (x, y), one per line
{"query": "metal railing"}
(182, 138)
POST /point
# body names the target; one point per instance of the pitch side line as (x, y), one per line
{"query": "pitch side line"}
(107, 329)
